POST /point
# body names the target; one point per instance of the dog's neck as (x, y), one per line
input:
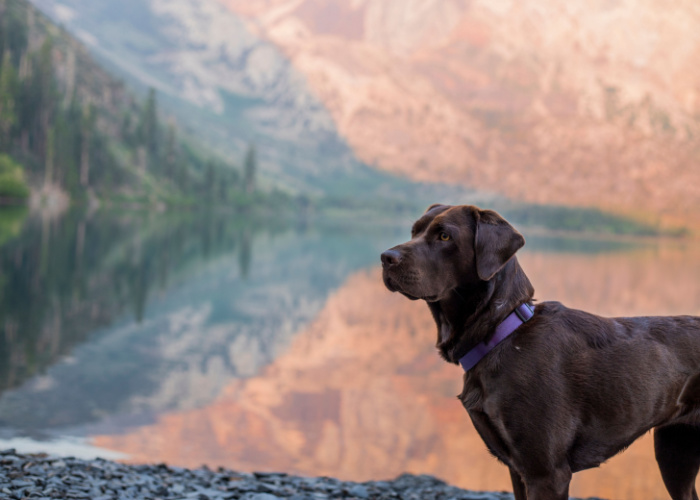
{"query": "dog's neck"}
(467, 318)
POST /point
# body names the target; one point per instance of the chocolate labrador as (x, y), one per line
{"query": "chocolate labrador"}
(551, 390)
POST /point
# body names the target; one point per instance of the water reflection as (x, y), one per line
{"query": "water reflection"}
(361, 393)
(266, 344)
(122, 318)
(61, 279)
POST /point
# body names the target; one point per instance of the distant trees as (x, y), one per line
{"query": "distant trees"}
(74, 134)
(87, 124)
(8, 94)
(149, 126)
(53, 136)
(13, 29)
(171, 153)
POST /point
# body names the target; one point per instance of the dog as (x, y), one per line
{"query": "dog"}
(550, 390)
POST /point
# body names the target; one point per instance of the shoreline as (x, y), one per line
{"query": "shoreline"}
(46, 477)
(51, 477)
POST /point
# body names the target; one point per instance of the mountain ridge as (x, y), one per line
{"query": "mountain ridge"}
(574, 104)
(230, 86)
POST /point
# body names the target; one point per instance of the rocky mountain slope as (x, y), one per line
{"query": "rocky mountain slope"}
(230, 86)
(576, 103)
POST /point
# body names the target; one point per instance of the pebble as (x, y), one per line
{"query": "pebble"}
(358, 491)
(51, 478)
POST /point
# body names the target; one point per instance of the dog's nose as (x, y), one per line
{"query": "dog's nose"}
(391, 258)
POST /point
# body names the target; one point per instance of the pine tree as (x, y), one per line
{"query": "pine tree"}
(13, 29)
(87, 125)
(8, 94)
(170, 159)
(69, 130)
(46, 83)
(149, 126)
(49, 161)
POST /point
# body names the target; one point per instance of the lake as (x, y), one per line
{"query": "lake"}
(263, 343)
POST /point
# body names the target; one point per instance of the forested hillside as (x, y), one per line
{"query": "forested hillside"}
(68, 127)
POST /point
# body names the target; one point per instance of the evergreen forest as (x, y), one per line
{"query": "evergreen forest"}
(69, 127)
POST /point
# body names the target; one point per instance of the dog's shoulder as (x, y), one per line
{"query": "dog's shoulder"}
(550, 307)
(574, 325)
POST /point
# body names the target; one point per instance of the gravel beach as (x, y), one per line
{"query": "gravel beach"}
(47, 477)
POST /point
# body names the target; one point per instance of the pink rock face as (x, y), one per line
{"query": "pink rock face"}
(576, 103)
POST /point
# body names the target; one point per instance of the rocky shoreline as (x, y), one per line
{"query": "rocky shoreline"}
(50, 477)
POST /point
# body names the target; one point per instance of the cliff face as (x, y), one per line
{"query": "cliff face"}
(228, 85)
(575, 103)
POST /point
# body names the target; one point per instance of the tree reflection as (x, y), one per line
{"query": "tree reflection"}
(62, 278)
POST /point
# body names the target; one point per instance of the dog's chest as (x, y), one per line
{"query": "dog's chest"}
(493, 434)
(484, 403)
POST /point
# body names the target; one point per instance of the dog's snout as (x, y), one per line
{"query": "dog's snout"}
(391, 257)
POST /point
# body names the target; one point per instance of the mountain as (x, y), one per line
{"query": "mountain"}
(576, 103)
(228, 85)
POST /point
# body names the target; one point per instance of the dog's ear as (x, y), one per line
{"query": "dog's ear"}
(495, 242)
(434, 205)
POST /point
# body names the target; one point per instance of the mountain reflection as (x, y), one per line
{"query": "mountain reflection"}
(361, 393)
(125, 317)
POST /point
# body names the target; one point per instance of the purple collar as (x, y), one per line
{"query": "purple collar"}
(520, 315)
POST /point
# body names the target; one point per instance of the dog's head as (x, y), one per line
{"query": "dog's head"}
(451, 247)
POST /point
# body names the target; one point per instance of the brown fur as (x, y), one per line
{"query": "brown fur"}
(568, 389)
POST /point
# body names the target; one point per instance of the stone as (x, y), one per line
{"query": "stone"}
(262, 496)
(358, 491)
(267, 475)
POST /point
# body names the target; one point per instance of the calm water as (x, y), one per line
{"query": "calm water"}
(269, 345)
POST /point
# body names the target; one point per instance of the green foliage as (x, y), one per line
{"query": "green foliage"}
(12, 183)
(75, 127)
(13, 29)
(149, 128)
(8, 94)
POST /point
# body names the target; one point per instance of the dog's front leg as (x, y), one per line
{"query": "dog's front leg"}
(553, 486)
(518, 485)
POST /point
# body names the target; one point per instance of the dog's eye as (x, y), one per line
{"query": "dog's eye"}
(444, 236)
